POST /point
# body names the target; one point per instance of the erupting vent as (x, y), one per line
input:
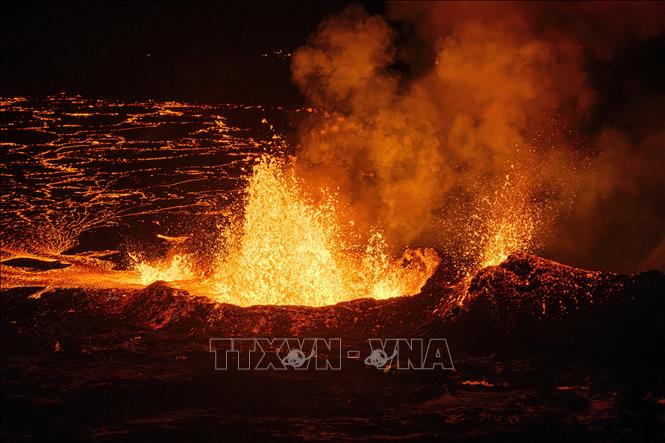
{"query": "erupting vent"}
(288, 250)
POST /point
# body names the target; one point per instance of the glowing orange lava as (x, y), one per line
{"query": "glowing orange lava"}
(287, 250)
(504, 222)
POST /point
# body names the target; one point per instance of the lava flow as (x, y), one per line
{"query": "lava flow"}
(274, 245)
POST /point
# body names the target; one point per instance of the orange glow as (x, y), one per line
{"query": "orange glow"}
(82, 271)
(509, 235)
(510, 227)
(287, 250)
(179, 267)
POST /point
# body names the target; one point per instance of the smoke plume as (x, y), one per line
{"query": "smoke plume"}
(442, 123)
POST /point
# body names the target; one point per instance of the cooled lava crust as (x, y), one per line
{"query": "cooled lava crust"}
(536, 345)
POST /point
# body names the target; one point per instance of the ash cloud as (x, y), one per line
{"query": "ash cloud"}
(437, 107)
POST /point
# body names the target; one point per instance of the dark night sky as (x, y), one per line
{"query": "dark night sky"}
(183, 50)
(202, 51)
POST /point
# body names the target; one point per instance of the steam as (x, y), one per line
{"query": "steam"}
(416, 129)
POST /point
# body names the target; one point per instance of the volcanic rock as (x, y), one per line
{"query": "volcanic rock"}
(528, 302)
(534, 343)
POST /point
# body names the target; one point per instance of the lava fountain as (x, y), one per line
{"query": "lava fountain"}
(288, 249)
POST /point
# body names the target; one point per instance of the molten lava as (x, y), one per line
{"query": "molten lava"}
(288, 250)
(509, 226)
(178, 267)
